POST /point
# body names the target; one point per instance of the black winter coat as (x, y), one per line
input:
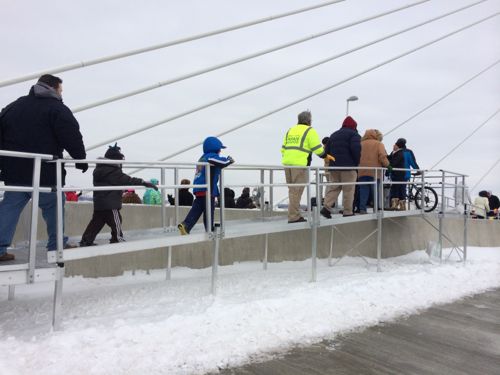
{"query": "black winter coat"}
(111, 175)
(244, 201)
(345, 146)
(41, 124)
(185, 198)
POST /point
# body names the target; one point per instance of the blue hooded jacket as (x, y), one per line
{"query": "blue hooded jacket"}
(211, 150)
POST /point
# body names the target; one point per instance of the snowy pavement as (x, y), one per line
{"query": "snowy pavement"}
(136, 324)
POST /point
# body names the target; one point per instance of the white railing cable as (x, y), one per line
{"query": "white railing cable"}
(245, 58)
(486, 174)
(466, 138)
(262, 84)
(441, 98)
(267, 114)
(138, 51)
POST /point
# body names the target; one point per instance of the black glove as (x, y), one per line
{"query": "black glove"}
(231, 160)
(418, 173)
(150, 185)
(82, 166)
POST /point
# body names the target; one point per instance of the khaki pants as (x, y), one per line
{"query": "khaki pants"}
(295, 176)
(348, 190)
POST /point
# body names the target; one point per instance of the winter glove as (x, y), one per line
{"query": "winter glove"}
(389, 168)
(329, 157)
(149, 185)
(82, 166)
(418, 173)
(231, 160)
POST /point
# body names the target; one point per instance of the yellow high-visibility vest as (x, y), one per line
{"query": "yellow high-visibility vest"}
(299, 142)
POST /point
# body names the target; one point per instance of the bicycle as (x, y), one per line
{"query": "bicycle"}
(415, 194)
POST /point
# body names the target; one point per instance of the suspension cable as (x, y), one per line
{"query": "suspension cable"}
(442, 98)
(331, 86)
(244, 91)
(138, 51)
(246, 58)
(486, 174)
(466, 138)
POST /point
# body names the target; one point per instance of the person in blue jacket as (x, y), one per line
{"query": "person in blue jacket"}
(401, 157)
(212, 147)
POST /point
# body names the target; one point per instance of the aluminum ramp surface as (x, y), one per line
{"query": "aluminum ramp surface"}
(159, 237)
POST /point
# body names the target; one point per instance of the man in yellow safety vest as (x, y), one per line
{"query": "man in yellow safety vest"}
(299, 143)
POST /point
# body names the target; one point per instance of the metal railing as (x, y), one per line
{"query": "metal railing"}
(266, 182)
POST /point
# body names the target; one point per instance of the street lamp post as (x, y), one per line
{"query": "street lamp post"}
(350, 99)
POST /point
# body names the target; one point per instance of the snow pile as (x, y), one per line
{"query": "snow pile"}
(144, 324)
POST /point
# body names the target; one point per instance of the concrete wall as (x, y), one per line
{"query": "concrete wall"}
(400, 236)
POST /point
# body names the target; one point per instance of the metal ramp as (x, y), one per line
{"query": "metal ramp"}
(37, 265)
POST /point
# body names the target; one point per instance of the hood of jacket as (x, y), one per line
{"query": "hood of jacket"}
(42, 90)
(370, 134)
(212, 144)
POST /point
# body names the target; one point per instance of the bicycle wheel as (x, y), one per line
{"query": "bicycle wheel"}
(430, 199)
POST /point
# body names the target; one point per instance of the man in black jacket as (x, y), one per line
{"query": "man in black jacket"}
(36, 123)
(345, 146)
(108, 203)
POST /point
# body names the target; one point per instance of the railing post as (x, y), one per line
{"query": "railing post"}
(169, 256)
(12, 293)
(309, 211)
(379, 194)
(58, 285)
(208, 199)
(261, 192)
(330, 255)
(176, 197)
(441, 214)
(314, 242)
(222, 203)
(271, 190)
(35, 198)
(466, 217)
(163, 201)
(422, 193)
(215, 260)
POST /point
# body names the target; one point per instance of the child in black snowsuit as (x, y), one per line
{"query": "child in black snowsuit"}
(107, 203)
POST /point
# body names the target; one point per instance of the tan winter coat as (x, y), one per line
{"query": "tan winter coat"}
(373, 153)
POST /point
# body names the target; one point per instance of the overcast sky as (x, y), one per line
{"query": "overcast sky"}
(40, 35)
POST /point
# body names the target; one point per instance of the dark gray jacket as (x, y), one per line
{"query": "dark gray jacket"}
(111, 175)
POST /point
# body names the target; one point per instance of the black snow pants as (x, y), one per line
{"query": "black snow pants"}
(112, 218)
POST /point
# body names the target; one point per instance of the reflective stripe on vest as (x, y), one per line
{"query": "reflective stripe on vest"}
(302, 140)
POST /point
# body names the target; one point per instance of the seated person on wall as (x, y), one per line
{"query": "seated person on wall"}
(152, 196)
(481, 205)
(108, 203)
(244, 200)
(185, 196)
(494, 203)
(229, 198)
(131, 197)
(72, 196)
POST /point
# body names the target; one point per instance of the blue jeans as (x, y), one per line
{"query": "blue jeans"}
(10, 209)
(365, 192)
(195, 212)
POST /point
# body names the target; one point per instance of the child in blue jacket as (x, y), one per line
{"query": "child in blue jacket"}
(211, 154)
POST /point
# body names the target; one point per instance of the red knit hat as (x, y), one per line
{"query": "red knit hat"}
(349, 123)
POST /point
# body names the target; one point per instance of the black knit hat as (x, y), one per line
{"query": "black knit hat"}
(114, 153)
(401, 143)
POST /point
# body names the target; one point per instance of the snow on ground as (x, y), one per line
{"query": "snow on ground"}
(142, 324)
